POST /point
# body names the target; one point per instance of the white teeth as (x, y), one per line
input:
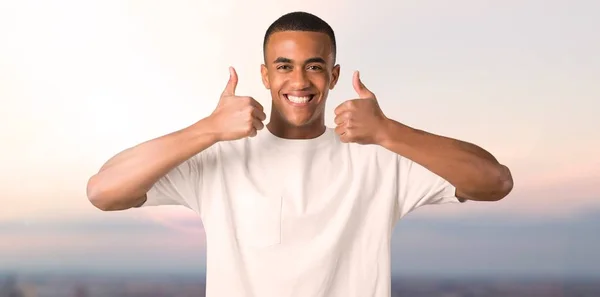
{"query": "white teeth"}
(295, 99)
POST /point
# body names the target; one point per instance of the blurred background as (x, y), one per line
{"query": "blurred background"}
(83, 80)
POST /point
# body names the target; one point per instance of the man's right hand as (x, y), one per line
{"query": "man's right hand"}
(236, 117)
(124, 180)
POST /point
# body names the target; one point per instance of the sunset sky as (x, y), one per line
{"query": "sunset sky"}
(83, 80)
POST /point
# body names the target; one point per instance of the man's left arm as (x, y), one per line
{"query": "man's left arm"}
(474, 172)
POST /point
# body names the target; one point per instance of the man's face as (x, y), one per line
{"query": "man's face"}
(299, 72)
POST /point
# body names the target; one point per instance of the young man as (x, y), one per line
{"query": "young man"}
(298, 209)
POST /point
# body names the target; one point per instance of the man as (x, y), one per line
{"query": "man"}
(298, 209)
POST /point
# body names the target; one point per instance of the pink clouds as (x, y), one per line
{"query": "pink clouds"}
(120, 234)
(176, 217)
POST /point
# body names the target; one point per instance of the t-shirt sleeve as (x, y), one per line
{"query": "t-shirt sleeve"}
(418, 186)
(180, 186)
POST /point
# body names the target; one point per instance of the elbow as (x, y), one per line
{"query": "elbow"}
(507, 183)
(96, 195)
(106, 198)
(503, 184)
(495, 187)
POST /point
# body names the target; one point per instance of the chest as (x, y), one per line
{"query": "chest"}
(282, 197)
(310, 182)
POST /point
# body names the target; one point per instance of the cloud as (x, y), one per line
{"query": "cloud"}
(565, 191)
(173, 219)
(510, 246)
(112, 242)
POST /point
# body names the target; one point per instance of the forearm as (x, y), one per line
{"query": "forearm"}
(475, 173)
(125, 179)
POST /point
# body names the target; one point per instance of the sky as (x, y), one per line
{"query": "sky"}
(82, 80)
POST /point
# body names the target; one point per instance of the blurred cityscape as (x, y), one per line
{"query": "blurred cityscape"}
(13, 285)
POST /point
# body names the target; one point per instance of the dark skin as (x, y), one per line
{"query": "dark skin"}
(302, 63)
(475, 173)
(298, 63)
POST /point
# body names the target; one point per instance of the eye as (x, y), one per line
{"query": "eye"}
(315, 67)
(284, 67)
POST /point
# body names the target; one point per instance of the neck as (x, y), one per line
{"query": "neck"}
(282, 129)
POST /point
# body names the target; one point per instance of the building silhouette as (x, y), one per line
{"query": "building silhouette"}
(9, 287)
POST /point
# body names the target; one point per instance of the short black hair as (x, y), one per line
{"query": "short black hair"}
(300, 21)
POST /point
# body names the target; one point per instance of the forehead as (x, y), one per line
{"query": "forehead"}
(298, 45)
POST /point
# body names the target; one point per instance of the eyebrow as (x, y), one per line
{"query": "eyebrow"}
(311, 60)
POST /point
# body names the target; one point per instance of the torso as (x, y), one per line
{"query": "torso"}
(299, 218)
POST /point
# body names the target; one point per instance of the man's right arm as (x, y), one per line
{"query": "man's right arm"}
(125, 180)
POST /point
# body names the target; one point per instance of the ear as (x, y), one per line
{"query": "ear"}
(335, 75)
(264, 73)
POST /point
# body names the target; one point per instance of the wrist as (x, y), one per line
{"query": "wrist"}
(393, 133)
(205, 131)
(386, 133)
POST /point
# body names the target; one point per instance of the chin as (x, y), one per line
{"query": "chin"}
(299, 123)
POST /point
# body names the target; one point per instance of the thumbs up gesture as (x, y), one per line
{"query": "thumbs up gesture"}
(360, 120)
(236, 117)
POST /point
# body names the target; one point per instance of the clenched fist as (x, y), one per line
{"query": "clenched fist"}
(236, 117)
(360, 120)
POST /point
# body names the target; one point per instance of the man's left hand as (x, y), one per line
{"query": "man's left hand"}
(360, 120)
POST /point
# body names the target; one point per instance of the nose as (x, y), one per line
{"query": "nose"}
(299, 79)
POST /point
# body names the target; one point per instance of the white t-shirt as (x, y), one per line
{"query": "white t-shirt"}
(299, 218)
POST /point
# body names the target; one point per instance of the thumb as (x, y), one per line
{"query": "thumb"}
(232, 83)
(359, 87)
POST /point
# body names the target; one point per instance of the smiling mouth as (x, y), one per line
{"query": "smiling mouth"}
(299, 99)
